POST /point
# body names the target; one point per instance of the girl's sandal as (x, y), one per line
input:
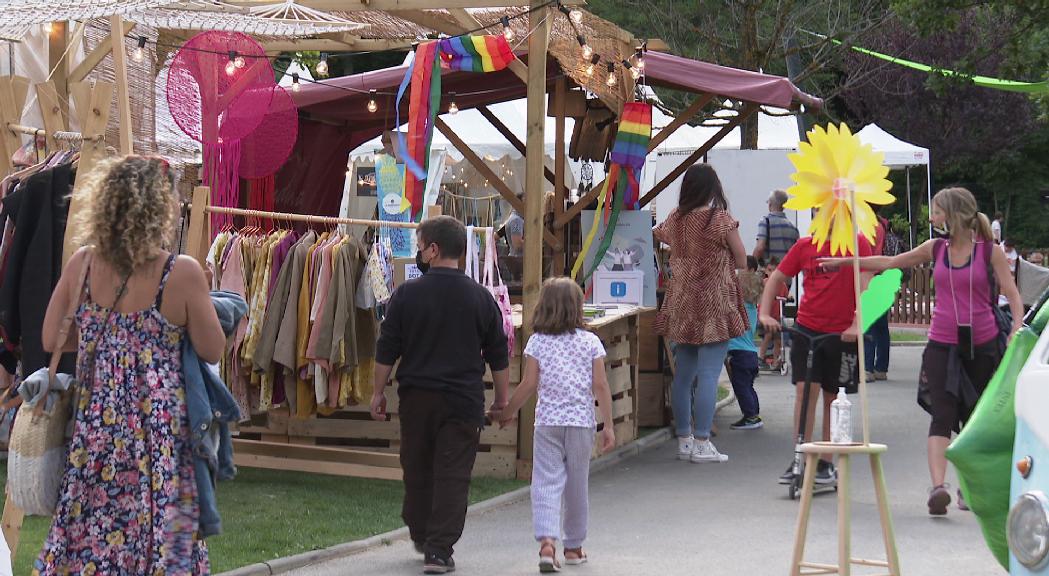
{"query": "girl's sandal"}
(548, 558)
(575, 556)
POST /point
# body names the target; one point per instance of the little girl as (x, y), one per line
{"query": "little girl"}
(566, 364)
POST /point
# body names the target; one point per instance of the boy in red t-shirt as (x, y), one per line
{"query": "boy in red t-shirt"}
(828, 306)
(771, 340)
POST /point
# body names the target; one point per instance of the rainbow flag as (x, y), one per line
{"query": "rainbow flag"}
(476, 53)
(423, 104)
(635, 132)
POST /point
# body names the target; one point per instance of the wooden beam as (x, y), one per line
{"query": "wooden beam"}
(92, 105)
(334, 45)
(748, 109)
(51, 111)
(514, 140)
(658, 139)
(539, 22)
(13, 93)
(57, 42)
(560, 168)
(490, 175)
(466, 20)
(116, 28)
(682, 119)
(394, 5)
(96, 56)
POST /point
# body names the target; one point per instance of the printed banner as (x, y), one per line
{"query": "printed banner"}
(393, 207)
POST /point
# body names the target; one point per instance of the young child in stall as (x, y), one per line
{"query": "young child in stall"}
(565, 363)
(772, 358)
(742, 359)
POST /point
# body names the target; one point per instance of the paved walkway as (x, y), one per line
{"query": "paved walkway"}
(656, 515)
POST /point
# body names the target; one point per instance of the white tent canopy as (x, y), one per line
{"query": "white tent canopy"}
(900, 155)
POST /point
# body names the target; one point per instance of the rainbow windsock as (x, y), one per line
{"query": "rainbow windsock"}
(476, 53)
(423, 104)
(635, 132)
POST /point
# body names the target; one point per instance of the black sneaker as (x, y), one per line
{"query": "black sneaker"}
(788, 476)
(825, 473)
(434, 564)
(751, 423)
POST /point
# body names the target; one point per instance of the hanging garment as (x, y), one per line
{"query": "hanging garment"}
(39, 208)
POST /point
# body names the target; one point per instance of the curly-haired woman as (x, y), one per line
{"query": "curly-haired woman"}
(128, 498)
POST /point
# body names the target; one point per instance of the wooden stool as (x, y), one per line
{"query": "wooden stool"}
(812, 453)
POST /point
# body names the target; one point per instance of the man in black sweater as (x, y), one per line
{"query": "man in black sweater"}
(443, 327)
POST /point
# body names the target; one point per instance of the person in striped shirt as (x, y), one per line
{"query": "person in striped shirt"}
(776, 233)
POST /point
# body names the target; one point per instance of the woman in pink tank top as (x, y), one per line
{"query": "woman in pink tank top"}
(963, 351)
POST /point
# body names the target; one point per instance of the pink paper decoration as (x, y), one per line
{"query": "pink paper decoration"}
(264, 151)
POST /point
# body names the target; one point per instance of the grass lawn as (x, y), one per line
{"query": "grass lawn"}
(268, 514)
(900, 336)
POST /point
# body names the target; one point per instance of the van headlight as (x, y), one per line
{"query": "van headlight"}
(1028, 529)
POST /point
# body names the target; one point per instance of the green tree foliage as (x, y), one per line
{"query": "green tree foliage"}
(753, 35)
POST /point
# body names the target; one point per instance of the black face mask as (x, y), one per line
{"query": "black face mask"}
(424, 267)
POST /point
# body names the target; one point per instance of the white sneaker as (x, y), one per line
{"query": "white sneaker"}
(704, 451)
(684, 447)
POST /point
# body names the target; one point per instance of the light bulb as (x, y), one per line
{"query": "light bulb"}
(640, 62)
(587, 51)
(48, 28)
(635, 72)
(589, 70)
(238, 61)
(576, 16)
(453, 108)
(322, 66)
(373, 107)
(295, 87)
(139, 53)
(508, 32)
(611, 81)
(231, 68)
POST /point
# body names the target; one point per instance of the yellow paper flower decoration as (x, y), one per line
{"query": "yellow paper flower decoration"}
(829, 166)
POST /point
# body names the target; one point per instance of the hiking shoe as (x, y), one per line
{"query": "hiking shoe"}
(788, 476)
(435, 564)
(704, 451)
(825, 473)
(881, 376)
(939, 500)
(684, 448)
(751, 423)
(871, 377)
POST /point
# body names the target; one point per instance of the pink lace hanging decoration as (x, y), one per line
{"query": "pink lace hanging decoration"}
(220, 87)
(264, 151)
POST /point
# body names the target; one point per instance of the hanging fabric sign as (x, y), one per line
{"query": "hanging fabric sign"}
(393, 206)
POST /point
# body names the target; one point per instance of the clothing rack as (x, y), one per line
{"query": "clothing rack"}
(60, 135)
(199, 223)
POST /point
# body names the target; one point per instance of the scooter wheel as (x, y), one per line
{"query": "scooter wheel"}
(783, 369)
(794, 489)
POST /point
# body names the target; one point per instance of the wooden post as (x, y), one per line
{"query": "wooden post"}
(12, 524)
(52, 110)
(92, 105)
(533, 214)
(199, 226)
(13, 92)
(57, 43)
(116, 35)
(560, 191)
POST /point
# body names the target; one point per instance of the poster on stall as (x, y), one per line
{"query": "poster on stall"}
(630, 250)
(393, 207)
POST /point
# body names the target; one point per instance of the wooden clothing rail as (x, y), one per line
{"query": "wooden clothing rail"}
(59, 135)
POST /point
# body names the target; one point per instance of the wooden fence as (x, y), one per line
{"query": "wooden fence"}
(915, 300)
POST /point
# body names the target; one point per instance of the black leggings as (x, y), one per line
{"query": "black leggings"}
(948, 413)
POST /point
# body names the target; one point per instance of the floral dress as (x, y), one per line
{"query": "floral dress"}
(128, 504)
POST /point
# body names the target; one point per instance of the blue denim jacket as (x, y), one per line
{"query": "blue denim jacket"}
(211, 408)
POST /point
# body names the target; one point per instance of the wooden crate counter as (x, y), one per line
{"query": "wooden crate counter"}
(350, 443)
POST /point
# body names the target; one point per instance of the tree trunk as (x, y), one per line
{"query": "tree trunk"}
(750, 56)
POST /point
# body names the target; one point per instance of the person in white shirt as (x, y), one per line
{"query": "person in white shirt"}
(996, 227)
(1010, 254)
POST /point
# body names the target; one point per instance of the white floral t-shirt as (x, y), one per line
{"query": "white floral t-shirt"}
(566, 375)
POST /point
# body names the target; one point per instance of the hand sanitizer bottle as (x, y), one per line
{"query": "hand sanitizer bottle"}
(841, 419)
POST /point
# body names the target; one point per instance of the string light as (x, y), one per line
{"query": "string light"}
(587, 50)
(48, 28)
(140, 50)
(373, 107)
(295, 87)
(238, 62)
(590, 67)
(322, 66)
(231, 66)
(639, 59)
(635, 72)
(453, 108)
(611, 75)
(508, 32)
